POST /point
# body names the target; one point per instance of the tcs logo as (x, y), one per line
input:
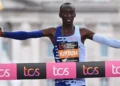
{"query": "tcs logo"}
(4, 73)
(31, 71)
(8, 71)
(112, 68)
(90, 70)
(60, 71)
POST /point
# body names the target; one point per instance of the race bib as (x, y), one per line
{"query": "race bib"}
(68, 51)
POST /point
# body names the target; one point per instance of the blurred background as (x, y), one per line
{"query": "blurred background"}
(100, 16)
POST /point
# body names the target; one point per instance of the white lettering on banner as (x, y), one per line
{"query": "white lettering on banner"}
(115, 69)
(4, 73)
(60, 71)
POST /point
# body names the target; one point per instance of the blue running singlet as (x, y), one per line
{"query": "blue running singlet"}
(69, 49)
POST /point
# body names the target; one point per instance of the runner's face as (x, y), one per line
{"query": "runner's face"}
(67, 13)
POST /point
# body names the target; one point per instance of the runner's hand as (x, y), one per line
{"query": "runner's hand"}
(1, 32)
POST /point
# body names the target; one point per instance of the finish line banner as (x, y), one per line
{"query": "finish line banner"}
(68, 70)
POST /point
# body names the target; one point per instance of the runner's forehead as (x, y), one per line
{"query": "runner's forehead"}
(67, 8)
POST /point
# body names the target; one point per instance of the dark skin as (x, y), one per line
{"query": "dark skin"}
(67, 14)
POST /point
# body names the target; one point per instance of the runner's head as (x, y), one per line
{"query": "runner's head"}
(67, 13)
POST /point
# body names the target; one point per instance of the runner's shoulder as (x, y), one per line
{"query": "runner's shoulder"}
(52, 28)
(84, 29)
(49, 30)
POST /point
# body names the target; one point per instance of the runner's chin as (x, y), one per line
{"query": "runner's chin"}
(69, 22)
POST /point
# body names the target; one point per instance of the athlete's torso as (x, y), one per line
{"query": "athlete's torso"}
(69, 49)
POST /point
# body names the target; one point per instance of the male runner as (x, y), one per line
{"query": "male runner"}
(68, 40)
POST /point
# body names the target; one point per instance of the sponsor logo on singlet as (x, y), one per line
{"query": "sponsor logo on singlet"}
(68, 51)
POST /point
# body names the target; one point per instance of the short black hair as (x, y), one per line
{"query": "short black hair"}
(66, 4)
